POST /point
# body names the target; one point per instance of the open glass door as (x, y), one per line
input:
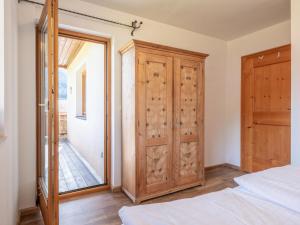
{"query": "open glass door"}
(47, 138)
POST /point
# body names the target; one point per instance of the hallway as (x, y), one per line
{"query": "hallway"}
(73, 172)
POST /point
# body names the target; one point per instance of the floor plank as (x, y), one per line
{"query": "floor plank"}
(73, 173)
(102, 208)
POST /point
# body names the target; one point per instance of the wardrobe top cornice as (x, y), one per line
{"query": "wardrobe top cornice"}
(144, 44)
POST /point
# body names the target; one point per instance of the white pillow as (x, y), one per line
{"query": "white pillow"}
(280, 185)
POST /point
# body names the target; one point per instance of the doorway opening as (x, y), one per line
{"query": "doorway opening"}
(82, 112)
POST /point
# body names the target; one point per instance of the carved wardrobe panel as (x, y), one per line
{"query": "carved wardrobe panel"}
(168, 109)
(154, 121)
(189, 130)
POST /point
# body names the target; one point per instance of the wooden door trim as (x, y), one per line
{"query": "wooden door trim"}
(86, 191)
(271, 50)
(246, 154)
(107, 119)
(56, 125)
(107, 107)
(83, 36)
(244, 162)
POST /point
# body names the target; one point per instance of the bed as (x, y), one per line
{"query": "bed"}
(270, 197)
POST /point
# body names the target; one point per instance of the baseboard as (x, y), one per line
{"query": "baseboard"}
(232, 166)
(208, 168)
(116, 189)
(28, 211)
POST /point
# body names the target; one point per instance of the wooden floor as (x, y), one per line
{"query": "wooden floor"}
(73, 173)
(102, 208)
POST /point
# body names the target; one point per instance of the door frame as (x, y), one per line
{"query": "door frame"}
(107, 107)
(247, 66)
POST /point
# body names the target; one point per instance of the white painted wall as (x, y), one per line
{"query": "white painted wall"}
(295, 33)
(1, 68)
(9, 146)
(270, 37)
(87, 136)
(26, 104)
(151, 31)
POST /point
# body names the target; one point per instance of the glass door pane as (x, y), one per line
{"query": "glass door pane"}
(44, 111)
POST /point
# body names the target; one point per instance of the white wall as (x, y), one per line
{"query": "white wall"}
(26, 104)
(1, 67)
(87, 136)
(151, 31)
(295, 33)
(9, 146)
(270, 37)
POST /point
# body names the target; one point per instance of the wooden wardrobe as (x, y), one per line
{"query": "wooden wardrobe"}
(266, 109)
(162, 119)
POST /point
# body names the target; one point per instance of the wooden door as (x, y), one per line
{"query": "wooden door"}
(189, 124)
(266, 110)
(47, 92)
(154, 103)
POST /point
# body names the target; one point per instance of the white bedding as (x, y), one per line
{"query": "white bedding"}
(280, 185)
(227, 207)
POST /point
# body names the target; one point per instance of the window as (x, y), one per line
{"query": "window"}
(81, 93)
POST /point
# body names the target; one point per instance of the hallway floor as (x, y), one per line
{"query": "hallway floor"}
(73, 173)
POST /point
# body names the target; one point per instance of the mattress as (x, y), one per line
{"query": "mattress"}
(237, 206)
(280, 185)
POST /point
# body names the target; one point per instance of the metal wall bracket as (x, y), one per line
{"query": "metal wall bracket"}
(135, 26)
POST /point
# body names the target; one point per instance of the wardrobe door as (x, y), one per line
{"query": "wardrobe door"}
(189, 132)
(154, 106)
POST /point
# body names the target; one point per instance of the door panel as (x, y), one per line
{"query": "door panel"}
(155, 123)
(189, 135)
(272, 85)
(266, 109)
(271, 116)
(270, 144)
(47, 74)
(188, 159)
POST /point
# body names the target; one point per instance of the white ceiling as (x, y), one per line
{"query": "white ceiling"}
(224, 19)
